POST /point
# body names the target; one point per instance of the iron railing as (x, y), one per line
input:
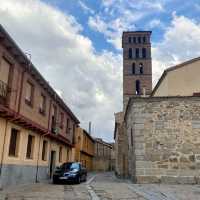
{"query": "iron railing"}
(55, 129)
(3, 90)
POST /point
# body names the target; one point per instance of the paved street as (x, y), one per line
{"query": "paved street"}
(101, 186)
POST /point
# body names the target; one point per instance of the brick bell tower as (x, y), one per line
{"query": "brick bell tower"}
(137, 64)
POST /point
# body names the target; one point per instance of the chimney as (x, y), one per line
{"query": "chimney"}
(89, 131)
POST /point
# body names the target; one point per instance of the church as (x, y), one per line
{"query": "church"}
(157, 135)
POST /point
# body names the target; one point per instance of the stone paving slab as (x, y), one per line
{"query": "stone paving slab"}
(170, 192)
(115, 191)
(46, 191)
(101, 186)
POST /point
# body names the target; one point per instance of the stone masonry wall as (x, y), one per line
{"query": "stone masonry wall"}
(164, 139)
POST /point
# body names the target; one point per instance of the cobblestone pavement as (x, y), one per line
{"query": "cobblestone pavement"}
(101, 186)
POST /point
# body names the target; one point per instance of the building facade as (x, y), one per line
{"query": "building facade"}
(83, 150)
(102, 156)
(121, 147)
(36, 126)
(158, 133)
(137, 81)
(179, 80)
(137, 64)
(163, 139)
(113, 154)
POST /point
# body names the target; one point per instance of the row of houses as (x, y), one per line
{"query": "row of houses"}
(38, 131)
(94, 153)
(157, 135)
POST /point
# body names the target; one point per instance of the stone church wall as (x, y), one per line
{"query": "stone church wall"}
(121, 148)
(164, 139)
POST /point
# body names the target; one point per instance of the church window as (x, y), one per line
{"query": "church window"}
(133, 68)
(130, 53)
(141, 68)
(144, 39)
(137, 53)
(137, 87)
(144, 53)
(131, 137)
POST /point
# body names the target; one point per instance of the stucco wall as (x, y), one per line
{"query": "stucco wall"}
(182, 81)
(19, 169)
(102, 156)
(87, 161)
(101, 164)
(165, 141)
(2, 135)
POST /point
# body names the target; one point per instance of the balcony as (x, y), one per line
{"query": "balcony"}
(3, 92)
(55, 129)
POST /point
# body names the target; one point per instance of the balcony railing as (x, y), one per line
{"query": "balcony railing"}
(3, 92)
(55, 129)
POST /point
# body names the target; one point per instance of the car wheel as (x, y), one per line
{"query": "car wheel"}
(78, 180)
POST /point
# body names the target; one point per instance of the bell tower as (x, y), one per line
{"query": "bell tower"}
(137, 64)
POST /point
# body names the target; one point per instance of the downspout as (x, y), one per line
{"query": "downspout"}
(2, 157)
(22, 80)
(49, 114)
(37, 166)
(20, 89)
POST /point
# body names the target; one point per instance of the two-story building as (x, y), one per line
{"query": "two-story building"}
(36, 127)
(84, 148)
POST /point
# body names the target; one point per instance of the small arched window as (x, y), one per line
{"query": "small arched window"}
(129, 39)
(134, 39)
(139, 40)
(131, 137)
(144, 39)
(144, 53)
(141, 68)
(137, 53)
(130, 53)
(133, 68)
(137, 87)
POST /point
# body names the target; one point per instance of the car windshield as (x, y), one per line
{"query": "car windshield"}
(70, 166)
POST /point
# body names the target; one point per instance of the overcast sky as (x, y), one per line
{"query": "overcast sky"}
(76, 45)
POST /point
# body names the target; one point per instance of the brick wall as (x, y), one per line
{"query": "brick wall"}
(129, 77)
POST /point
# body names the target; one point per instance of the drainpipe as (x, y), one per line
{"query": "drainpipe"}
(2, 156)
(21, 84)
(49, 114)
(20, 89)
(37, 166)
(38, 157)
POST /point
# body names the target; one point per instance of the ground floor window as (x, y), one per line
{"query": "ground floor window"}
(14, 142)
(60, 154)
(30, 147)
(44, 150)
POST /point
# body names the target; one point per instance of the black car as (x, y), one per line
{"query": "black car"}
(70, 171)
